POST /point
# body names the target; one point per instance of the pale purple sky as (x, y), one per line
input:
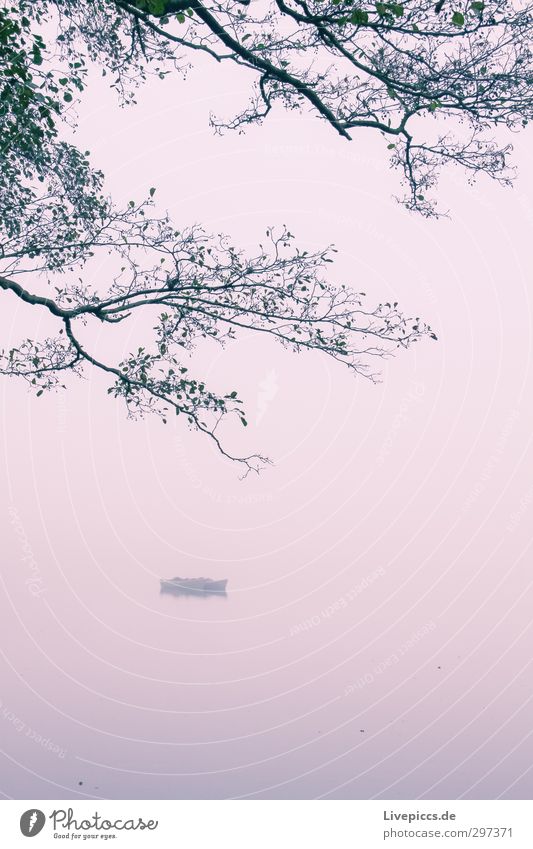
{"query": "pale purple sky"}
(396, 521)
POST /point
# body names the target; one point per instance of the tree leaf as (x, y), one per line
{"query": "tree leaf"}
(358, 17)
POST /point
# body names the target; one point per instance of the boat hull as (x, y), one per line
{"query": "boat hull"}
(193, 586)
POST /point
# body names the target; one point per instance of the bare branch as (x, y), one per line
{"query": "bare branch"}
(399, 69)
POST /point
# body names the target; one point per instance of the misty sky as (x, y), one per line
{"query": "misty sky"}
(376, 636)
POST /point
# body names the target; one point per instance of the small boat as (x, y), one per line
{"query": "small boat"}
(188, 586)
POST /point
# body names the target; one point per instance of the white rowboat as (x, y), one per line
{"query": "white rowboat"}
(193, 585)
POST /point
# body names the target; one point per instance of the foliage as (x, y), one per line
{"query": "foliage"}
(436, 80)
(56, 222)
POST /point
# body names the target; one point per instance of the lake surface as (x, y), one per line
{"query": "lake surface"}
(359, 654)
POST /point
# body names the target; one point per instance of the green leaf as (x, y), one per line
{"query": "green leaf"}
(458, 19)
(358, 16)
(477, 6)
(152, 192)
(156, 7)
